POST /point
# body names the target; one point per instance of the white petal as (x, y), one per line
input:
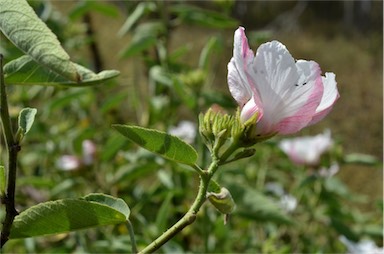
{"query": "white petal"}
(290, 92)
(240, 84)
(329, 98)
(275, 67)
(298, 94)
(275, 72)
(307, 150)
(330, 94)
(239, 89)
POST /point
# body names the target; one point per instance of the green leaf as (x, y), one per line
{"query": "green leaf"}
(359, 158)
(145, 37)
(343, 229)
(166, 145)
(116, 203)
(54, 217)
(158, 74)
(26, 119)
(185, 94)
(207, 51)
(84, 7)
(138, 45)
(257, 206)
(112, 146)
(162, 216)
(205, 18)
(25, 30)
(141, 9)
(25, 71)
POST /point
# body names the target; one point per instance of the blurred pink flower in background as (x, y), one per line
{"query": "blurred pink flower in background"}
(89, 152)
(365, 246)
(185, 130)
(73, 162)
(329, 172)
(287, 202)
(307, 150)
(286, 95)
(68, 163)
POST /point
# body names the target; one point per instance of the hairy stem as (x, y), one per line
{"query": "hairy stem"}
(12, 148)
(190, 216)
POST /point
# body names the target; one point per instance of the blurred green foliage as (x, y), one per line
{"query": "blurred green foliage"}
(158, 191)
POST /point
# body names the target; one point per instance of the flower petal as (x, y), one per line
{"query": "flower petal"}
(239, 90)
(250, 109)
(275, 72)
(307, 150)
(302, 101)
(238, 80)
(330, 96)
(290, 92)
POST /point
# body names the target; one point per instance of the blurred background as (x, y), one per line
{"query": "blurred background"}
(173, 58)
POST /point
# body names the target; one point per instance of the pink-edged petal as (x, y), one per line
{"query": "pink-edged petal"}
(240, 86)
(302, 102)
(330, 96)
(290, 92)
(275, 72)
(243, 56)
(307, 150)
(250, 109)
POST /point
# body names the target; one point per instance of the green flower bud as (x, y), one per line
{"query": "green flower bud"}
(194, 79)
(222, 201)
(215, 127)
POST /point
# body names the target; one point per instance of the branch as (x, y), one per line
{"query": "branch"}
(189, 217)
(13, 148)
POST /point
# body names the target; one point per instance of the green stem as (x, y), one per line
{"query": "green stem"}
(13, 148)
(232, 148)
(199, 170)
(132, 236)
(190, 216)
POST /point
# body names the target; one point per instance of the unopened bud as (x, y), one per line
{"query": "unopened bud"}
(222, 201)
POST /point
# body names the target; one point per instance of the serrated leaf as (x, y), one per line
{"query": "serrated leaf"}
(166, 145)
(26, 119)
(54, 217)
(25, 30)
(25, 71)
